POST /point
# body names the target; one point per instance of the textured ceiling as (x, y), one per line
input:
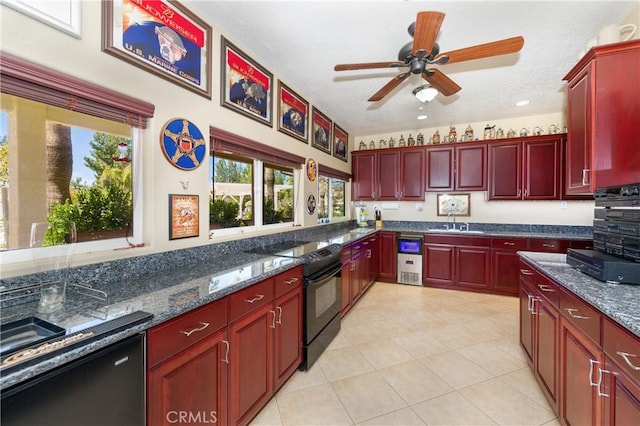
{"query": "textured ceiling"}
(301, 41)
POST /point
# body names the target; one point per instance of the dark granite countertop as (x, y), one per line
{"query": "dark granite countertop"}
(169, 293)
(620, 302)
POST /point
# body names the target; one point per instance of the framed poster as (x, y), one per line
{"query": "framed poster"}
(246, 86)
(321, 131)
(64, 15)
(184, 216)
(340, 143)
(455, 204)
(162, 37)
(293, 113)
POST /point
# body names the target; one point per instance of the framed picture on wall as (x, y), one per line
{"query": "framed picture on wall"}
(246, 86)
(162, 37)
(293, 113)
(340, 143)
(184, 216)
(321, 126)
(456, 204)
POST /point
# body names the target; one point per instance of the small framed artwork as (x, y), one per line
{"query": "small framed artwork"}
(456, 204)
(64, 15)
(184, 216)
(246, 86)
(340, 143)
(321, 131)
(162, 37)
(293, 113)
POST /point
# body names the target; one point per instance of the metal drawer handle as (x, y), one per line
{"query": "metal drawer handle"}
(226, 354)
(526, 272)
(202, 327)
(585, 181)
(255, 299)
(600, 393)
(592, 362)
(625, 355)
(273, 320)
(546, 288)
(369, 254)
(292, 281)
(549, 245)
(279, 320)
(572, 315)
(507, 243)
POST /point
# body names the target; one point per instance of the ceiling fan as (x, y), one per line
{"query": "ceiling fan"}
(424, 52)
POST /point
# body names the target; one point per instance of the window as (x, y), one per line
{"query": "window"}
(331, 204)
(231, 200)
(58, 166)
(277, 204)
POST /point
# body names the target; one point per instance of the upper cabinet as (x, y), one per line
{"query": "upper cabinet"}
(389, 175)
(526, 169)
(603, 106)
(457, 167)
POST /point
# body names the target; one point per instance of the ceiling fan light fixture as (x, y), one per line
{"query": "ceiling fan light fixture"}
(523, 103)
(422, 117)
(425, 93)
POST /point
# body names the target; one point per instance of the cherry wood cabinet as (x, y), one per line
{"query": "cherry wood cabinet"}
(505, 264)
(345, 280)
(363, 184)
(187, 361)
(287, 335)
(387, 256)
(457, 167)
(526, 170)
(389, 174)
(603, 92)
(456, 261)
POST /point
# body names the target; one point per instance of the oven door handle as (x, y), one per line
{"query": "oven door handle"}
(326, 276)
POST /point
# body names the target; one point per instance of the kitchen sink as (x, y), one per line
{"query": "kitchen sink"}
(452, 231)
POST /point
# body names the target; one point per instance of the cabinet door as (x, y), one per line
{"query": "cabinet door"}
(364, 176)
(580, 360)
(387, 255)
(345, 284)
(438, 264)
(542, 173)
(547, 349)
(287, 340)
(578, 164)
(412, 174)
(505, 271)
(622, 396)
(505, 171)
(373, 260)
(617, 100)
(193, 381)
(473, 266)
(388, 171)
(471, 168)
(251, 364)
(440, 168)
(526, 319)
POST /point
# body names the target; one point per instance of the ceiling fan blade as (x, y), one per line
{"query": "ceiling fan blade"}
(426, 31)
(367, 65)
(494, 48)
(387, 88)
(440, 81)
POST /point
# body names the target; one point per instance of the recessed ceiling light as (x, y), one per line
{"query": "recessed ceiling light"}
(523, 103)
(422, 117)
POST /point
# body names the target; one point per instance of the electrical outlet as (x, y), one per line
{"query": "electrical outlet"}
(419, 206)
(564, 205)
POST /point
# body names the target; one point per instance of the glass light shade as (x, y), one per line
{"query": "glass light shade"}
(425, 93)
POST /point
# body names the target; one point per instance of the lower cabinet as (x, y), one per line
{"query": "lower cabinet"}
(221, 363)
(359, 270)
(586, 365)
(456, 262)
(387, 255)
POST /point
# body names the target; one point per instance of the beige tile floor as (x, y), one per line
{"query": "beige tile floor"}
(410, 355)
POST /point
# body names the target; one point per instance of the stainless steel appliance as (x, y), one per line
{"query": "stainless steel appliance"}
(616, 237)
(322, 292)
(103, 388)
(410, 259)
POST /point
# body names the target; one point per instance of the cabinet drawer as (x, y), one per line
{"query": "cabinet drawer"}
(622, 347)
(345, 254)
(555, 246)
(510, 243)
(582, 315)
(179, 333)
(548, 289)
(288, 281)
(250, 299)
(457, 240)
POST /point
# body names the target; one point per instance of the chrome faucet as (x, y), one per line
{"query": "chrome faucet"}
(449, 216)
(464, 226)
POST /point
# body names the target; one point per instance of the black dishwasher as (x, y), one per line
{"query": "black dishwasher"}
(103, 388)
